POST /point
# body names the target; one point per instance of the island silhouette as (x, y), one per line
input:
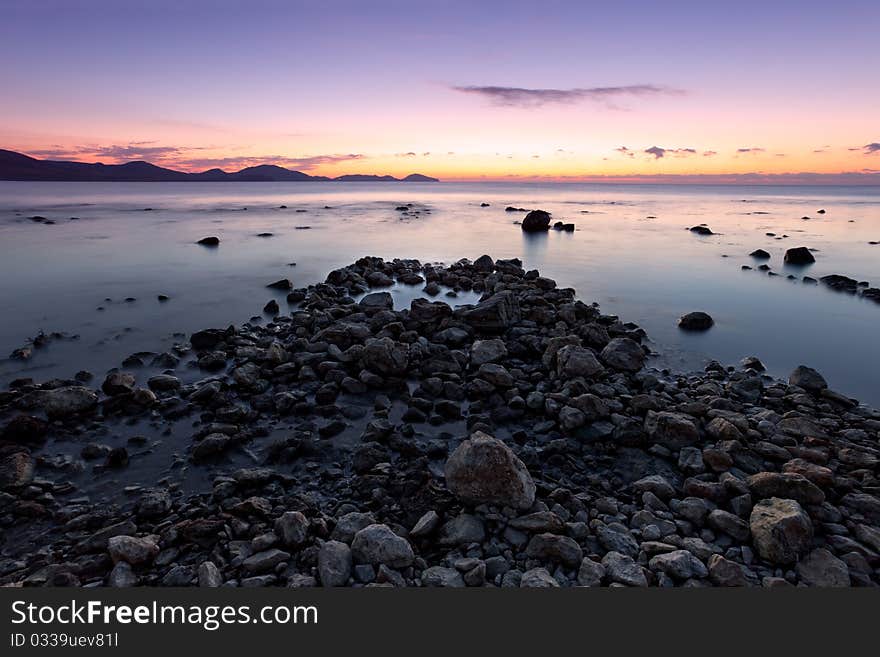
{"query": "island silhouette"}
(20, 167)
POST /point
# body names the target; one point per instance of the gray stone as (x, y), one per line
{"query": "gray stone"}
(440, 576)
(377, 544)
(781, 530)
(622, 569)
(483, 470)
(334, 563)
(820, 568)
(680, 564)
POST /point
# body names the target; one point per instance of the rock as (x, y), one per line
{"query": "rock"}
(25, 429)
(425, 525)
(350, 524)
(696, 321)
(701, 230)
(264, 561)
(807, 378)
(624, 354)
(132, 550)
(494, 315)
(656, 484)
(209, 241)
(67, 401)
(822, 569)
(210, 446)
(118, 383)
(781, 530)
(483, 470)
(590, 573)
(553, 547)
(293, 528)
(729, 523)
(538, 578)
(679, 563)
(536, 221)
(209, 575)
(800, 255)
(385, 356)
(622, 569)
(377, 544)
(334, 563)
(271, 308)
(723, 572)
(163, 383)
(122, 576)
(786, 485)
(463, 529)
(16, 470)
(760, 254)
(496, 374)
(282, 284)
(672, 430)
(487, 351)
(573, 361)
(377, 301)
(439, 576)
(484, 263)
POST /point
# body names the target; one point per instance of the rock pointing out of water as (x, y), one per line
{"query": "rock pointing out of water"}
(807, 378)
(483, 470)
(536, 221)
(696, 321)
(799, 255)
(209, 241)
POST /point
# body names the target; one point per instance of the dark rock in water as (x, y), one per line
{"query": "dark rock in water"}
(495, 314)
(118, 383)
(807, 378)
(810, 280)
(283, 284)
(207, 338)
(510, 208)
(402, 208)
(377, 301)
(536, 221)
(746, 268)
(484, 205)
(764, 267)
(701, 230)
(271, 308)
(873, 243)
(209, 241)
(696, 321)
(568, 228)
(872, 294)
(820, 211)
(265, 234)
(753, 363)
(25, 429)
(484, 264)
(117, 458)
(840, 283)
(799, 255)
(163, 297)
(282, 207)
(760, 254)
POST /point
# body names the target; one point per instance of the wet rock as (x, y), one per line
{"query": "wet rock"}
(282, 284)
(209, 241)
(536, 221)
(25, 429)
(800, 255)
(760, 254)
(66, 401)
(483, 470)
(702, 229)
(118, 383)
(696, 321)
(807, 378)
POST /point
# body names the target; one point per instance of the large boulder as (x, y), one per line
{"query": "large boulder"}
(377, 301)
(536, 221)
(483, 470)
(696, 321)
(781, 530)
(495, 314)
(822, 569)
(787, 485)
(624, 354)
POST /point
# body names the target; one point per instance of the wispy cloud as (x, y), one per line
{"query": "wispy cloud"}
(241, 162)
(750, 150)
(139, 150)
(873, 147)
(525, 97)
(659, 152)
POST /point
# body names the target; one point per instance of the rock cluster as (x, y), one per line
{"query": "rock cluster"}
(518, 442)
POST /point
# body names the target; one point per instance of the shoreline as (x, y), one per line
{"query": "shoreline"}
(518, 442)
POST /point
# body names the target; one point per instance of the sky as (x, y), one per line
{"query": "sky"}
(546, 90)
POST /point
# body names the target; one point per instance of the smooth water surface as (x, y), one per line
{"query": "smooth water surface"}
(631, 252)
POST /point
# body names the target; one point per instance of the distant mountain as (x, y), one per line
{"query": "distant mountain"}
(16, 166)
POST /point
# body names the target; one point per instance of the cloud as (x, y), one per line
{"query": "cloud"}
(408, 154)
(658, 152)
(241, 162)
(523, 97)
(139, 150)
(709, 153)
(750, 150)
(873, 147)
(623, 150)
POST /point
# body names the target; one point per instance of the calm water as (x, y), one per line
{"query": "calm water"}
(631, 253)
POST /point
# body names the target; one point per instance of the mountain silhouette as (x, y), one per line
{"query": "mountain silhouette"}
(17, 166)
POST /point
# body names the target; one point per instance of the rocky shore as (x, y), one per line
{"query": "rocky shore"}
(518, 442)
